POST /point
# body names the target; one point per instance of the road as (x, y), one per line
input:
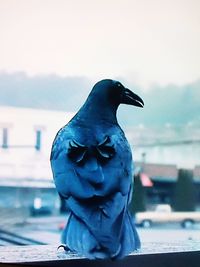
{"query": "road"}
(168, 235)
(47, 230)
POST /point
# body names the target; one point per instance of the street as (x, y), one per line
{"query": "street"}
(46, 230)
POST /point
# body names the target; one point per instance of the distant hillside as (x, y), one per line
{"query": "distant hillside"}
(171, 104)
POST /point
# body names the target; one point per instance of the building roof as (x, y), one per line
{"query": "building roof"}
(158, 171)
(164, 172)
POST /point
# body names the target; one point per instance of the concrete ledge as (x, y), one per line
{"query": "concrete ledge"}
(151, 254)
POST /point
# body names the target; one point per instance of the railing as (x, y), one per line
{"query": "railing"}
(175, 254)
(10, 238)
(11, 216)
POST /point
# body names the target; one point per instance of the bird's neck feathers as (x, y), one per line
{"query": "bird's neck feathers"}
(98, 109)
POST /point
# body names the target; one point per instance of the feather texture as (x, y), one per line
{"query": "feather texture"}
(91, 162)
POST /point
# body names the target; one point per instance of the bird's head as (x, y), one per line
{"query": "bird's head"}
(115, 93)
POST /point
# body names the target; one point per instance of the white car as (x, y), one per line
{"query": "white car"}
(164, 214)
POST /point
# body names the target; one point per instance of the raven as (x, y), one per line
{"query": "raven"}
(92, 167)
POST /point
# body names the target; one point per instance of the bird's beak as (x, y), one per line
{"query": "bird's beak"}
(131, 99)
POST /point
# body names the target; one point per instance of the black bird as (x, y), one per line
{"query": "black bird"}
(91, 162)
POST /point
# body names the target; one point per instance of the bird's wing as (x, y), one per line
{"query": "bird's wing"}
(77, 174)
(104, 221)
(118, 170)
(66, 177)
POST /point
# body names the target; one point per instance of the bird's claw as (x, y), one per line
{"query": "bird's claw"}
(64, 247)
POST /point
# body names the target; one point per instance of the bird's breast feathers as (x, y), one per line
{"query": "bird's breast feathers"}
(102, 151)
(96, 167)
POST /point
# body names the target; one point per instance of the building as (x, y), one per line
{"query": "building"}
(26, 136)
(163, 179)
(170, 145)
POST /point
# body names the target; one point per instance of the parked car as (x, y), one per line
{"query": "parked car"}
(40, 207)
(164, 214)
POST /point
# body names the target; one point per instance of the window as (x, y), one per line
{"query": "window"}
(38, 140)
(5, 138)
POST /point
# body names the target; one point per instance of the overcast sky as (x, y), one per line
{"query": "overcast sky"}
(144, 41)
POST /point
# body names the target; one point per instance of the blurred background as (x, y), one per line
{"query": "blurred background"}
(51, 54)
